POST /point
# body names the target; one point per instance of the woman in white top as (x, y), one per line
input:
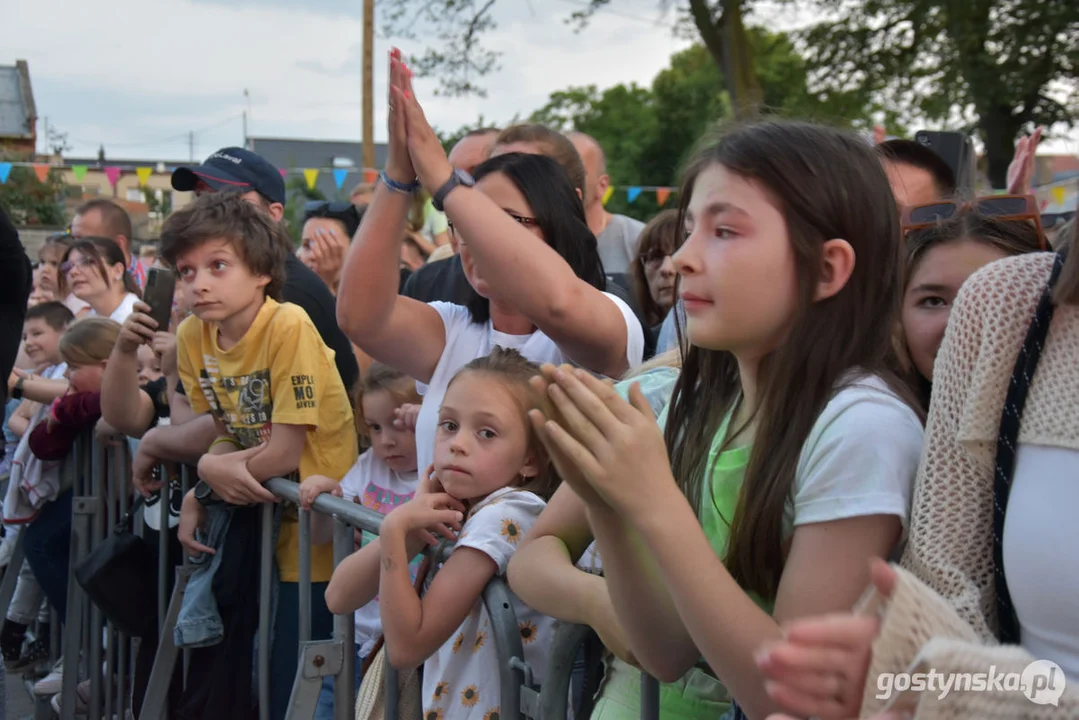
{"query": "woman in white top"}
(525, 247)
(94, 270)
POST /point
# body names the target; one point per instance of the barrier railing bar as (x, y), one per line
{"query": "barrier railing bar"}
(155, 701)
(97, 531)
(11, 575)
(356, 515)
(265, 579)
(185, 485)
(558, 677)
(344, 631)
(122, 641)
(73, 626)
(163, 548)
(649, 697)
(507, 637)
(305, 575)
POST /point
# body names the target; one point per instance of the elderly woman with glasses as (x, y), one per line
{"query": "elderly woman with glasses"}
(94, 270)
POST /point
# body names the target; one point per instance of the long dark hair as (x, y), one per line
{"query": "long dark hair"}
(559, 215)
(103, 252)
(828, 184)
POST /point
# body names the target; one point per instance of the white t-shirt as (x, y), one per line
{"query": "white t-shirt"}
(75, 305)
(375, 486)
(123, 310)
(1040, 562)
(466, 341)
(461, 680)
(618, 243)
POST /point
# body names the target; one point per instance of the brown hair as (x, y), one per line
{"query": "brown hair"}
(1012, 237)
(379, 378)
(259, 241)
(55, 314)
(1067, 289)
(56, 244)
(514, 371)
(662, 234)
(89, 341)
(104, 252)
(554, 144)
(828, 184)
(113, 217)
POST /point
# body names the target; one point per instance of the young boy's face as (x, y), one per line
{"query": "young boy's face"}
(216, 283)
(42, 341)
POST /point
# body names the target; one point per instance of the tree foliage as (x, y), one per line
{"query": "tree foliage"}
(996, 66)
(28, 201)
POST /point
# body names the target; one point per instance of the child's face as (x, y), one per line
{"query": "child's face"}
(148, 364)
(396, 448)
(216, 283)
(85, 378)
(49, 258)
(482, 442)
(739, 283)
(42, 342)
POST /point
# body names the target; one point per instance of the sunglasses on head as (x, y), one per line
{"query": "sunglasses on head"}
(999, 207)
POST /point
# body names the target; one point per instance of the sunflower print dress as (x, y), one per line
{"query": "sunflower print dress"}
(460, 681)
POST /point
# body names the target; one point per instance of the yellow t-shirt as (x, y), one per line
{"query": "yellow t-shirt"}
(280, 372)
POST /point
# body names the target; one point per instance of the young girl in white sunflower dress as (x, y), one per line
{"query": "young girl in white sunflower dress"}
(488, 484)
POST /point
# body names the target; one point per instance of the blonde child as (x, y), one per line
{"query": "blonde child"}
(491, 473)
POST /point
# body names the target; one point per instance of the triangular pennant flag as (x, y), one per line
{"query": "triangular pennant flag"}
(5, 170)
(662, 195)
(79, 171)
(632, 193)
(42, 172)
(370, 176)
(112, 173)
(1058, 195)
(311, 174)
(283, 171)
(607, 195)
(144, 174)
(339, 176)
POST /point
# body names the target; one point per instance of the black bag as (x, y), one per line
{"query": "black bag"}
(120, 579)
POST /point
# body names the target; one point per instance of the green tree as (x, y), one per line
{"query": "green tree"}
(28, 201)
(998, 66)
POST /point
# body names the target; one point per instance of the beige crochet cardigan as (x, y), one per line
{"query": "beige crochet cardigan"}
(942, 615)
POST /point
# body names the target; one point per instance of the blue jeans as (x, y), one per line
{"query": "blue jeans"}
(48, 549)
(199, 622)
(284, 652)
(324, 710)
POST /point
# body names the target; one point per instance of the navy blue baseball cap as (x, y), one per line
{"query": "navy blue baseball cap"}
(233, 168)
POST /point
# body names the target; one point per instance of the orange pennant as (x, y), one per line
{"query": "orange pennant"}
(42, 172)
(662, 194)
(370, 176)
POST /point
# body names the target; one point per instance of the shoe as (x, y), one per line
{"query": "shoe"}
(11, 640)
(82, 699)
(36, 653)
(52, 683)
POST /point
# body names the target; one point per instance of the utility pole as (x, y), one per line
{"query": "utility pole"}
(191, 146)
(368, 83)
(247, 114)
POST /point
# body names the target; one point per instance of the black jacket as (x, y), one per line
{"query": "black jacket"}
(15, 281)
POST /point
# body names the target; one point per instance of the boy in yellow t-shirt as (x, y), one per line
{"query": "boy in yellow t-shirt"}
(261, 368)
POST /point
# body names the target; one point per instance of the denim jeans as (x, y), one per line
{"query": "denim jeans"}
(48, 547)
(285, 651)
(199, 622)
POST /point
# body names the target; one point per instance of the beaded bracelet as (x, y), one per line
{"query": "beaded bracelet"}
(403, 188)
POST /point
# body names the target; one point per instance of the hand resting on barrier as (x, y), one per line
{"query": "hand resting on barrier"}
(192, 518)
(310, 489)
(228, 474)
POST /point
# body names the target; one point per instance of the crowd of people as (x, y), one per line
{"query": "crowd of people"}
(703, 437)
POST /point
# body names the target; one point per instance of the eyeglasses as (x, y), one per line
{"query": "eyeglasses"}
(521, 219)
(69, 265)
(999, 207)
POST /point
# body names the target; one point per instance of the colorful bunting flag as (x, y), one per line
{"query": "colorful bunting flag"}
(370, 176)
(662, 195)
(339, 176)
(5, 170)
(144, 174)
(311, 174)
(79, 171)
(1058, 195)
(607, 195)
(632, 193)
(283, 171)
(42, 172)
(112, 172)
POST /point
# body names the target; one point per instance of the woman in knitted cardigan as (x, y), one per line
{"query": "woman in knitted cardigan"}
(939, 610)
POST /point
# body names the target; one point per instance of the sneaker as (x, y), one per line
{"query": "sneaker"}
(33, 655)
(82, 699)
(52, 683)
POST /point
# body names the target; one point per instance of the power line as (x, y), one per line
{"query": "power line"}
(179, 138)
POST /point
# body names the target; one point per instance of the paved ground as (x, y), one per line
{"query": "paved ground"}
(18, 704)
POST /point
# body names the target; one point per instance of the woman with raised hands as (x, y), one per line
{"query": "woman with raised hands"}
(526, 249)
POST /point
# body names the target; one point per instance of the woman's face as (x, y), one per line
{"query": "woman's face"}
(84, 277)
(660, 273)
(931, 290)
(506, 195)
(739, 285)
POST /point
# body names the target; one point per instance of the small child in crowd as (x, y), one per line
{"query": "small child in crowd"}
(383, 477)
(491, 473)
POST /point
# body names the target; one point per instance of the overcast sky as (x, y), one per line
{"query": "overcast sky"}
(139, 75)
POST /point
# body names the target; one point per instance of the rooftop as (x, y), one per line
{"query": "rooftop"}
(17, 112)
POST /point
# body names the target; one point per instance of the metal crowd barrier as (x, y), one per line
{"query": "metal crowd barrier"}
(94, 649)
